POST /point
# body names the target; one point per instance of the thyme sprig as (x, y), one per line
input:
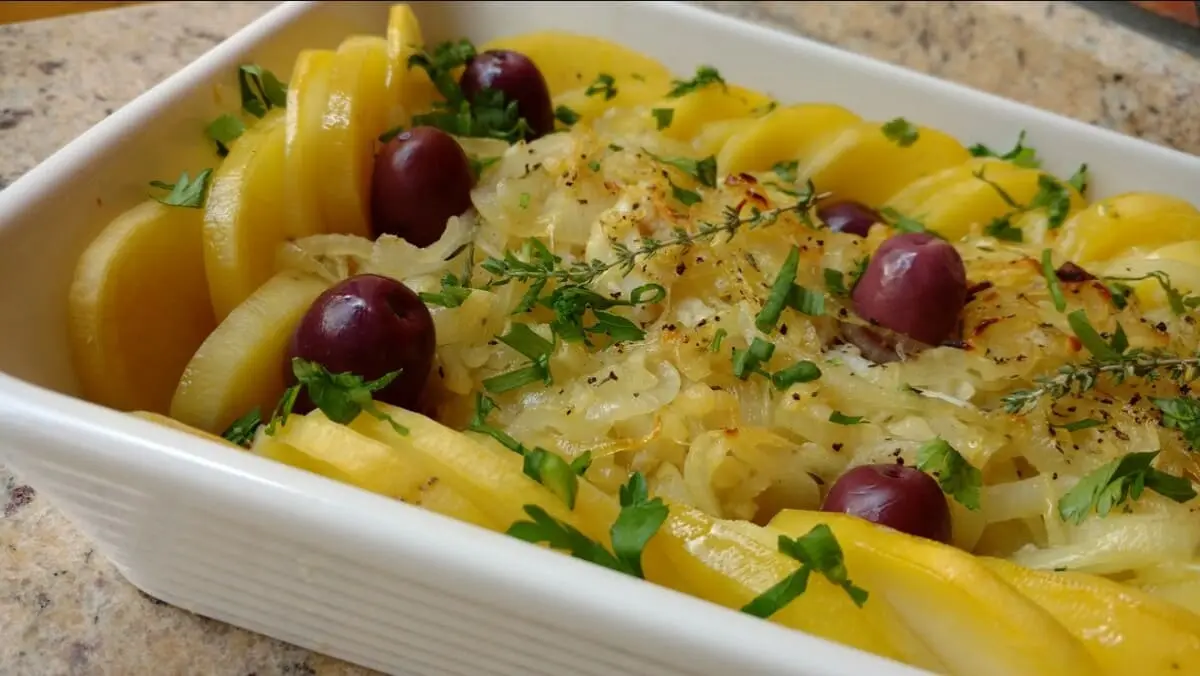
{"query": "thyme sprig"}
(544, 268)
(1079, 378)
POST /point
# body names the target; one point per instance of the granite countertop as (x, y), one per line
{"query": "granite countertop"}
(65, 610)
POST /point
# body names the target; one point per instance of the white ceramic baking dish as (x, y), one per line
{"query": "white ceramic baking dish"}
(352, 574)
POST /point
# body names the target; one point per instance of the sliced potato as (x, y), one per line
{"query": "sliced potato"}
(411, 88)
(910, 198)
(1180, 262)
(1121, 224)
(713, 103)
(1126, 631)
(245, 216)
(240, 365)
(862, 163)
(974, 622)
(570, 61)
(783, 135)
(138, 307)
(308, 94)
(356, 113)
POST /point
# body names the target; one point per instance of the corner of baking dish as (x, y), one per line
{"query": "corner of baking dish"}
(349, 573)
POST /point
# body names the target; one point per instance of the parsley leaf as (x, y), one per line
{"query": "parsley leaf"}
(958, 478)
(685, 196)
(224, 131)
(550, 470)
(835, 281)
(786, 171)
(1183, 414)
(1054, 198)
(1052, 284)
(565, 115)
(1020, 155)
(705, 75)
(1122, 479)
(487, 115)
(901, 132)
(703, 170)
(185, 192)
(638, 521)
(1080, 180)
(839, 418)
(901, 222)
(260, 90)
(342, 396)
(530, 345)
(483, 408)
(818, 550)
(242, 430)
(603, 85)
(662, 117)
(453, 293)
(1002, 228)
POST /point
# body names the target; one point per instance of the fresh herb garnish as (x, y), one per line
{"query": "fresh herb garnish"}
(242, 430)
(785, 292)
(533, 347)
(751, 359)
(901, 222)
(786, 171)
(1052, 284)
(703, 170)
(638, 521)
(1002, 228)
(958, 478)
(1118, 481)
(343, 396)
(839, 418)
(1183, 414)
(662, 117)
(487, 115)
(801, 372)
(686, 197)
(565, 115)
(1177, 300)
(224, 131)
(1092, 341)
(705, 75)
(901, 132)
(718, 337)
(260, 90)
(1080, 180)
(454, 292)
(818, 550)
(185, 192)
(1020, 155)
(835, 281)
(603, 86)
(523, 200)
(1051, 196)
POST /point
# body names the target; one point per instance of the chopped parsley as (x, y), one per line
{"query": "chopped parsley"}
(785, 292)
(662, 117)
(533, 347)
(751, 359)
(487, 115)
(1020, 155)
(565, 115)
(1003, 229)
(958, 478)
(1118, 481)
(1183, 414)
(839, 418)
(185, 192)
(901, 132)
(818, 550)
(260, 90)
(705, 76)
(1178, 301)
(703, 170)
(786, 171)
(835, 281)
(639, 519)
(340, 396)
(602, 86)
(224, 131)
(900, 221)
(242, 430)
(1092, 341)
(686, 197)
(523, 200)
(1080, 180)
(1052, 283)
(454, 292)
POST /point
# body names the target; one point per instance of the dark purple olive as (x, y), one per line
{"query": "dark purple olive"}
(848, 216)
(915, 285)
(370, 326)
(900, 497)
(421, 178)
(515, 76)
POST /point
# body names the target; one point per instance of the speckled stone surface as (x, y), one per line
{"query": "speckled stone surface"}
(64, 610)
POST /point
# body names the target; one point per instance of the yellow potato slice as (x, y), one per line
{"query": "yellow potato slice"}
(138, 307)
(411, 89)
(973, 203)
(240, 366)
(712, 103)
(245, 217)
(304, 180)
(491, 479)
(394, 471)
(629, 94)
(863, 164)
(163, 420)
(713, 136)
(1133, 221)
(723, 562)
(1180, 262)
(783, 135)
(975, 623)
(1175, 582)
(910, 198)
(1126, 631)
(570, 61)
(344, 146)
